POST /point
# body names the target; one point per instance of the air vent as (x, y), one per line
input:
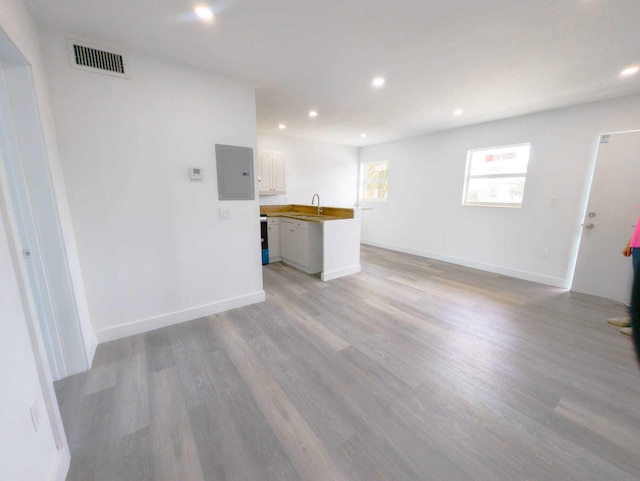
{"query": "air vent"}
(95, 59)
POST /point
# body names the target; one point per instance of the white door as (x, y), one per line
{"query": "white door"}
(24, 171)
(265, 162)
(273, 233)
(17, 191)
(287, 239)
(612, 211)
(278, 173)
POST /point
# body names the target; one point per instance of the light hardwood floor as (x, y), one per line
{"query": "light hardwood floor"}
(412, 370)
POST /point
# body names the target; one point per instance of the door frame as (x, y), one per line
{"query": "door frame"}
(36, 211)
(41, 359)
(586, 197)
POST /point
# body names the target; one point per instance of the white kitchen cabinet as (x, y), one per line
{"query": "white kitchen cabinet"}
(271, 176)
(273, 236)
(301, 244)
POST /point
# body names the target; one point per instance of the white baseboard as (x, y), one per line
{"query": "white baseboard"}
(347, 271)
(506, 271)
(61, 466)
(92, 345)
(152, 323)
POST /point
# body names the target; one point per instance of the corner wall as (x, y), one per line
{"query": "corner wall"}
(330, 170)
(423, 214)
(151, 243)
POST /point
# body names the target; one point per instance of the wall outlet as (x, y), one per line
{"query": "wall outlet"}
(544, 253)
(35, 414)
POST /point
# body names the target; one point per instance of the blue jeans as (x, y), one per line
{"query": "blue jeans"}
(635, 261)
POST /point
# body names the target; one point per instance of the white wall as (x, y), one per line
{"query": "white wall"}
(423, 214)
(152, 247)
(329, 170)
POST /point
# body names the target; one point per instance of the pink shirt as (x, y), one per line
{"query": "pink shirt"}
(635, 237)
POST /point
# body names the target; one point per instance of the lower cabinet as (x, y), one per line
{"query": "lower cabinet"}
(273, 236)
(301, 244)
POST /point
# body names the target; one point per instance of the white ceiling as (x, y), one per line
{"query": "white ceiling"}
(492, 58)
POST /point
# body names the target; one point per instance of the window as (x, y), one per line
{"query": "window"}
(495, 176)
(374, 178)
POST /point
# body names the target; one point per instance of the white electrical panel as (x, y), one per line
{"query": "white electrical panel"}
(196, 173)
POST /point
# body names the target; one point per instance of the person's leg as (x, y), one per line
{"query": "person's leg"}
(625, 322)
(635, 309)
(635, 259)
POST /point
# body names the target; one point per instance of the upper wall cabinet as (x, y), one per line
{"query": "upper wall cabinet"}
(271, 176)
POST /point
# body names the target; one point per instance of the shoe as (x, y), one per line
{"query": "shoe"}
(626, 331)
(620, 321)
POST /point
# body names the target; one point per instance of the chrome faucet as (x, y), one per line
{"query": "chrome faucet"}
(313, 200)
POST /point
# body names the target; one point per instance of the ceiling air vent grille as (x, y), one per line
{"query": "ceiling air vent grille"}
(95, 59)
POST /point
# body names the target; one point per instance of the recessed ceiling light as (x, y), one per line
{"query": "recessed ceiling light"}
(458, 112)
(630, 71)
(377, 82)
(204, 13)
(313, 113)
(282, 126)
(363, 134)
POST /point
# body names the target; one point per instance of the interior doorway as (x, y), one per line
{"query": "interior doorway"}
(613, 207)
(28, 191)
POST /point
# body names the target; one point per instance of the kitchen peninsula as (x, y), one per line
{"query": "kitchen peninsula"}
(315, 240)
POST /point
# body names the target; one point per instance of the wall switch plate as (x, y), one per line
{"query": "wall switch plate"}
(225, 213)
(544, 253)
(553, 201)
(196, 173)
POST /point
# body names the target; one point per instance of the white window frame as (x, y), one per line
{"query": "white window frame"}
(362, 183)
(467, 177)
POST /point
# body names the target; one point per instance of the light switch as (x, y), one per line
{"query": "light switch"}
(225, 213)
(553, 201)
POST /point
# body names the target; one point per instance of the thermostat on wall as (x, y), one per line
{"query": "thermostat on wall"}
(196, 173)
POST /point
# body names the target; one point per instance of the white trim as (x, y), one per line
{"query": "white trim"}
(61, 466)
(152, 323)
(506, 271)
(347, 271)
(468, 177)
(362, 180)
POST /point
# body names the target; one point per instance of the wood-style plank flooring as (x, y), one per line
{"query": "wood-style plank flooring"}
(411, 370)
